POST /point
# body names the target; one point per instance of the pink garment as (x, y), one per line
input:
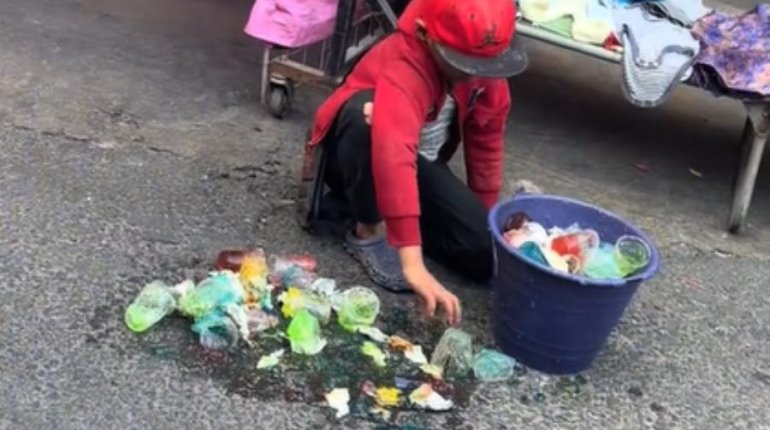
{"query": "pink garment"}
(292, 23)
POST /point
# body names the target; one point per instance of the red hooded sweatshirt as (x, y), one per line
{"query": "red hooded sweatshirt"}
(409, 91)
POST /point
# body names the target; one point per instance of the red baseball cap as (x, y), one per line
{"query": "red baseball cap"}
(475, 36)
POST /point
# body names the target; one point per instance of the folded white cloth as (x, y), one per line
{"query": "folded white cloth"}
(591, 19)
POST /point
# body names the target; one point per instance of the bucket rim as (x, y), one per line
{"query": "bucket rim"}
(650, 271)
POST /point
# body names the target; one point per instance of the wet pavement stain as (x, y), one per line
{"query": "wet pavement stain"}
(301, 378)
(571, 386)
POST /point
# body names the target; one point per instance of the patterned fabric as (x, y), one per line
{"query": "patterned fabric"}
(705, 77)
(737, 48)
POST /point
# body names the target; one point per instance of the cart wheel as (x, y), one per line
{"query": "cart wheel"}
(279, 101)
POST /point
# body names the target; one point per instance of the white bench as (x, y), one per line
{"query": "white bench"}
(755, 131)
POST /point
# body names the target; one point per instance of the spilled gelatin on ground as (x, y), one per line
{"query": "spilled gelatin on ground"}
(306, 379)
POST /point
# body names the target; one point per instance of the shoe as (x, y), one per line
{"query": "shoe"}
(380, 262)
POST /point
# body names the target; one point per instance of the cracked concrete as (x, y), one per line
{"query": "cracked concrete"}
(132, 146)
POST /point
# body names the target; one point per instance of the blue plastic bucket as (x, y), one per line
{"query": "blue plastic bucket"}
(549, 320)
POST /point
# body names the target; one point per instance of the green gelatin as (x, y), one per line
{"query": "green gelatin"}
(359, 307)
(153, 303)
(601, 263)
(304, 333)
(631, 255)
(491, 366)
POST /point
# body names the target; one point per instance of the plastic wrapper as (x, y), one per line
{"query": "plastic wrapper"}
(339, 399)
(218, 290)
(436, 372)
(270, 360)
(530, 232)
(455, 349)
(216, 330)
(577, 243)
(415, 355)
(374, 334)
(425, 397)
(324, 286)
(576, 250)
(292, 271)
(181, 289)
(387, 396)
(258, 320)
(295, 299)
(371, 350)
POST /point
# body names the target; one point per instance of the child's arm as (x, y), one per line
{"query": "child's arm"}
(483, 141)
(400, 106)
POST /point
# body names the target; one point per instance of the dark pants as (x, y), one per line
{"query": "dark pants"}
(453, 221)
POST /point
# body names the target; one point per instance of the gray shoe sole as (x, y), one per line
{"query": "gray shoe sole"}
(380, 262)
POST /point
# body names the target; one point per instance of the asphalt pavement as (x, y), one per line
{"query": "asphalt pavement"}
(133, 147)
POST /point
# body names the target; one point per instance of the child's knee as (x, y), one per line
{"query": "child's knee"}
(480, 260)
(473, 258)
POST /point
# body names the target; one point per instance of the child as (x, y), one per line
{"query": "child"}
(387, 133)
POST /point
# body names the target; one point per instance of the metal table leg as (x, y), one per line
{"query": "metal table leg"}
(265, 75)
(755, 135)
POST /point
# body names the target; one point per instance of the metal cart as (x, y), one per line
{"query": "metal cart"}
(324, 64)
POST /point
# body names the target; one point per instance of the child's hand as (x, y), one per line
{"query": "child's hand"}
(433, 293)
(429, 289)
(368, 107)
